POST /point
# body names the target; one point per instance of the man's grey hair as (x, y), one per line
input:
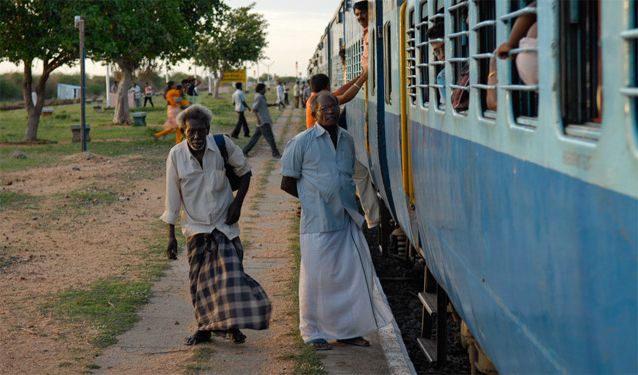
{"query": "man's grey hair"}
(314, 101)
(194, 112)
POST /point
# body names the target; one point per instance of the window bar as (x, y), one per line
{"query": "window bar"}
(481, 56)
(520, 12)
(483, 24)
(481, 86)
(520, 87)
(457, 6)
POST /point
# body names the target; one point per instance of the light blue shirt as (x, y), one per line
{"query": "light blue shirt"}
(440, 80)
(324, 179)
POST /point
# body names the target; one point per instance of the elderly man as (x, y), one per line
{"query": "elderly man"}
(196, 181)
(337, 299)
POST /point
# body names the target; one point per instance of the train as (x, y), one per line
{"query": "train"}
(526, 216)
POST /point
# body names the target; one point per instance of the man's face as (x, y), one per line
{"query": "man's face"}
(327, 111)
(362, 17)
(196, 132)
(438, 50)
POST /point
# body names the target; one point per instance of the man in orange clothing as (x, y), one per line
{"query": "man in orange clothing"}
(321, 82)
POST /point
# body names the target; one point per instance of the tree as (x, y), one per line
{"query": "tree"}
(241, 38)
(38, 29)
(135, 33)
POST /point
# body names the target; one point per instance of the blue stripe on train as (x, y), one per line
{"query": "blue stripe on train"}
(542, 266)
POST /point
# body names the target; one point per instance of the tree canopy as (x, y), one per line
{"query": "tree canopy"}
(240, 38)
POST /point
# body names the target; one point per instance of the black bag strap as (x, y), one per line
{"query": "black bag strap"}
(221, 144)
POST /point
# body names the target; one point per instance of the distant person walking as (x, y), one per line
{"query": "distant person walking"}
(306, 93)
(175, 103)
(296, 90)
(239, 101)
(148, 94)
(337, 297)
(225, 298)
(286, 94)
(264, 121)
(137, 95)
(280, 96)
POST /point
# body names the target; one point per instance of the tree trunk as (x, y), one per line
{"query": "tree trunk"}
(217, 78)
(121, 114)
(33, 110)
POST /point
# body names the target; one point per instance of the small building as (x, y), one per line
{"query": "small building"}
(66, 91)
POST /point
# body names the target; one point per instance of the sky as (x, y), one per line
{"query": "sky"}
(294, 29)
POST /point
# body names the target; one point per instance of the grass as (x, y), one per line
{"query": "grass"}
(10, 200)
(199, 360)
(110, 140)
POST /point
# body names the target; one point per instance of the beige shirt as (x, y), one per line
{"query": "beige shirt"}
(203, 192)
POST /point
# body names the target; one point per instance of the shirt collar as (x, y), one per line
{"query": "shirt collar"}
(321, 130)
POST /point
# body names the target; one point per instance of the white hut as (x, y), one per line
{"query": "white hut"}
(68, 91)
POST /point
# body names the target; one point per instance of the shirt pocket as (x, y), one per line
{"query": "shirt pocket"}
(218, 180)
(345, 163)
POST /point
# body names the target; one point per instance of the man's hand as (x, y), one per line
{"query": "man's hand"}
(234, 211)
(502, 52)
(171, 248)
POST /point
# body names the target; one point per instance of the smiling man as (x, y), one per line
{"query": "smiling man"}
(224, 297)
(337, 298)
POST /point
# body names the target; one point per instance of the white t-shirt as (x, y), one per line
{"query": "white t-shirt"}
(238, 99)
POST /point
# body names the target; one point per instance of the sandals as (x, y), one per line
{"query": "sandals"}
(236, 337)
(197, 338)
(356, 341)
(320, 344)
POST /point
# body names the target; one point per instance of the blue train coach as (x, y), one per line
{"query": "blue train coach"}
(526, 210)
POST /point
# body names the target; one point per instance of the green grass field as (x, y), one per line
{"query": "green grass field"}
(107, 139)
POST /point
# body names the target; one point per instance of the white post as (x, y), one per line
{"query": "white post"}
(166, 70)
(108, 85)
(210, 82)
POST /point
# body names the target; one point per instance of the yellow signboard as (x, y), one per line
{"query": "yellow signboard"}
(232, 76)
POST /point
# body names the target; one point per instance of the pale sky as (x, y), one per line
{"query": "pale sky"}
(294, 29)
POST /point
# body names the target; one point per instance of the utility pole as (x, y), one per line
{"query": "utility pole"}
(108, 85)
(296, 69)
(79, 23)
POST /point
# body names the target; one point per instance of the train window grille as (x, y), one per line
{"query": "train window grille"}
(631, 37)
(437, 65)
(353, 60)
(580, 68)
(387, 52)
(485, 30)
(460, 49)
(524, 98)
(411, 57)
(424, 57)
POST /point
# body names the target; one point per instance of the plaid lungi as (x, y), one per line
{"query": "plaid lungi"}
(223, 295)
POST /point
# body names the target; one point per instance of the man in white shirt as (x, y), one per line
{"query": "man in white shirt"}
(297, 92)
(337, 296)
(239, 101)
(280, 95)
(196, 181)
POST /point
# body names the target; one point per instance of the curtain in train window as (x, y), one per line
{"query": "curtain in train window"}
(580, 67)
(387, 52)
(424, 56)
(460, 75)
(411, 57)
(485, 30)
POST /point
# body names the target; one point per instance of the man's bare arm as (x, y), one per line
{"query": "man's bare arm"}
(289, 185)
(171, 247)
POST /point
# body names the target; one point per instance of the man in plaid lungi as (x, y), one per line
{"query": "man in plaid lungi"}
(224, 297)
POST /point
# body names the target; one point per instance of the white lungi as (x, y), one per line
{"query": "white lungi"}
(338, 298)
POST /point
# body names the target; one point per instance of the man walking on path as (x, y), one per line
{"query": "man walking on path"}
(280, 95)
(148, 94)
(336, 281)
(224, 297)
(296, 91)
(260, 108)
(239, 100)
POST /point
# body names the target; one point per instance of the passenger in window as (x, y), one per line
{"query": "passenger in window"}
(438, 50)
(524, 34)
(491, 98)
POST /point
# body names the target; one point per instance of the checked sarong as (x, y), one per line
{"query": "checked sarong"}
(223, 295)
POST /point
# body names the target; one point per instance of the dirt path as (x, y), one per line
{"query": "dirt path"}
(91, 220)
(154, 345)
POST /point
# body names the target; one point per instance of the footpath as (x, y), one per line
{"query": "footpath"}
(155, 344)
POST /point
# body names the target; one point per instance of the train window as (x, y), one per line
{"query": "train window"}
(460, 75)
(524, 91)
(631, 36)
(411, 57)
(387, 53)
(424, 56)
(485, 30)
(580, 67)
(435, 35)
